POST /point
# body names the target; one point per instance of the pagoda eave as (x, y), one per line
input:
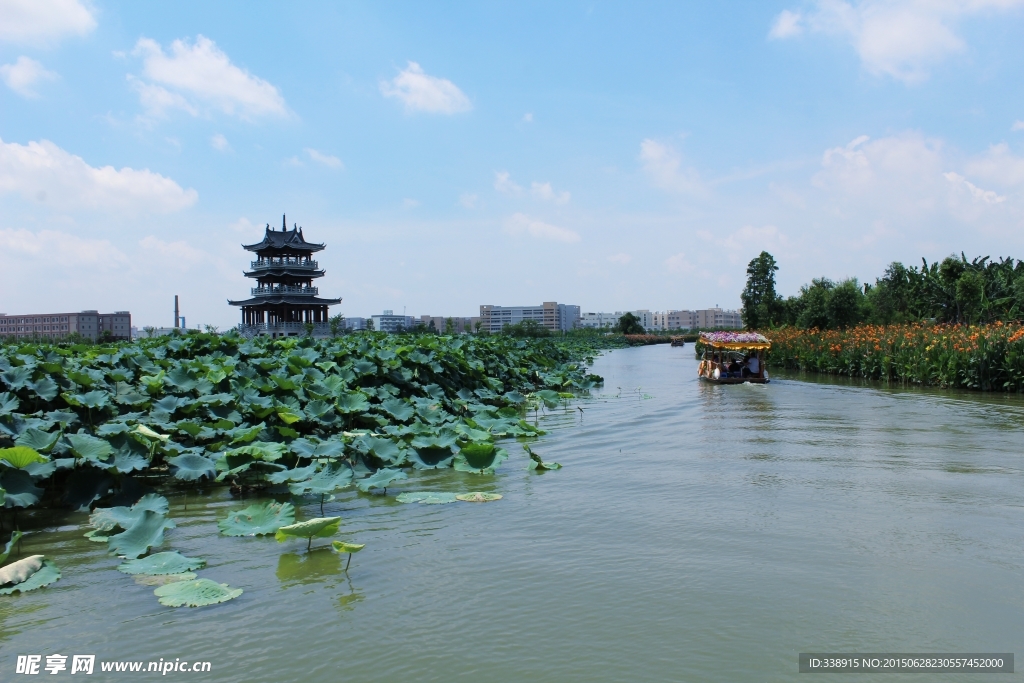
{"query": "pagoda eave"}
(293, 300)
(297, 273)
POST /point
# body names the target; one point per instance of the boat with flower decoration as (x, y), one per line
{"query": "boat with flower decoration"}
(733, 357)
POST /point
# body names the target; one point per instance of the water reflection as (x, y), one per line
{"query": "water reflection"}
(307, 568)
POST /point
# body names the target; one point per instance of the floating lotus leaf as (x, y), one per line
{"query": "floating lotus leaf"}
(258, 520)
(97, 536)
(426, 497)
(381, 479)
(190, 467)
(321, 527)
(170, 562)
(107, 519)
(15, 537)
(195, 593)
(20, 457)
(478, 497)
(43, 575)
(137, 540)
(350, 548)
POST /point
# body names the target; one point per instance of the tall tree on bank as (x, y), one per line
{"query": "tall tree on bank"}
(760, 302)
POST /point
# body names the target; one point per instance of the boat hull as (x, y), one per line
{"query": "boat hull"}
(735, 380)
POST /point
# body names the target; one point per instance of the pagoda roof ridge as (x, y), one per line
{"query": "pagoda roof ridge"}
(284, 239)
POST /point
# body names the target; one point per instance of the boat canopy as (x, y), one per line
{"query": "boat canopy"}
(735, 340)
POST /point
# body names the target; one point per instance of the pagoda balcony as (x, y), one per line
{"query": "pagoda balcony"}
(284, 262)
(285, 289)
(281, 329)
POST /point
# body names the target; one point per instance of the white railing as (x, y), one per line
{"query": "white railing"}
(284, 289)
(319, 329)
(284, 261)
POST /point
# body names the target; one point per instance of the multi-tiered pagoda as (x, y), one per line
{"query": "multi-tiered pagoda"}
(284, 301)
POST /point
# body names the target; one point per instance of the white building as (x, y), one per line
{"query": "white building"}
(389, 322)
(674, 320)
(710, 318)
(550, 314)
(355, 323)
(608, 320)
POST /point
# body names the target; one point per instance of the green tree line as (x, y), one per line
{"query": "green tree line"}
(953, 290)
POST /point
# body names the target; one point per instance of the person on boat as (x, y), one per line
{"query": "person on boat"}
(754, 365)
(734, 368)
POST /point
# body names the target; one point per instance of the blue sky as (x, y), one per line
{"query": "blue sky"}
(614, 155)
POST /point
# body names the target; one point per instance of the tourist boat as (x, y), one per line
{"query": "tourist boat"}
(733, 357)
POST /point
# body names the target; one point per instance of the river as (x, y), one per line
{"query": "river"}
(695, 533)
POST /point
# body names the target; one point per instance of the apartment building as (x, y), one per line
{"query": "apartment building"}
(717, 318)
(609, 320)
(92, 325)
(550, 314)
(460, 325)
(674, 320)
(389, 322)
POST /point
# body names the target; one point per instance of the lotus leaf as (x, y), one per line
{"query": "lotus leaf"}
(322, 527)
(327, 480)
(170, 562)
(478, 497)
(364, 367)
(126, 461)
(288, 415)
(90, 448)
(106, 519)
(295, 474)
(381, 479)
(144, 533)
(15, 537)
(536, 463)
(479, 455)
(46, 388)
(350, 548)
(268, 451)
(431, 457)
(195, 593)
(163, 579)
(112, 429)
(190, 467)
(43, 575)
(17, 378)
(8, 402)
(398, 409)
(85, 485)
(426, 497)
(304, 448)
(22, 456)
(352, 403)
(245, 434)
(182, 380)
(258, 520)
(550, 398)
(19, 489)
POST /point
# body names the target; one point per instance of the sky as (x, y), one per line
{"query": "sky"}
(612, 155)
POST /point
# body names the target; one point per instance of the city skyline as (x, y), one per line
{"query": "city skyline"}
(503, 153)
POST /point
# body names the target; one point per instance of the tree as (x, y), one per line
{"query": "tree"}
(630, 324)
(845, 305)
(814, 304)
(449, 326)
(337, 324)
(761, 305)
(526, 328)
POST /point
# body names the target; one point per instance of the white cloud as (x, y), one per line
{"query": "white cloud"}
(663, 163)
(528, 117)
(157, 100)
(421, 92)
(220, 143)
(23, 75)
(622, 258)
(294, 162)
(179, 255)
(520, 224)
(998, 165)
(1017, 125)
(203, 72)
(787, 25)
(503, 183)
(897, 38)
(409, 203)
(43, 172)
(905, 166)
(545, 192)
(42, 22)
(678, 263)
(467, 200)
(976, 193)
(60, 248)
(326, 159)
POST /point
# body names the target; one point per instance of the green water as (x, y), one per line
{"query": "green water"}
(696, 533)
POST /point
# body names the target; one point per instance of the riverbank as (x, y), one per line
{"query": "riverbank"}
(980, 357)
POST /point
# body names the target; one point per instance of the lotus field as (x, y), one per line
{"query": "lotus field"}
(108, 429)
(985, 357)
